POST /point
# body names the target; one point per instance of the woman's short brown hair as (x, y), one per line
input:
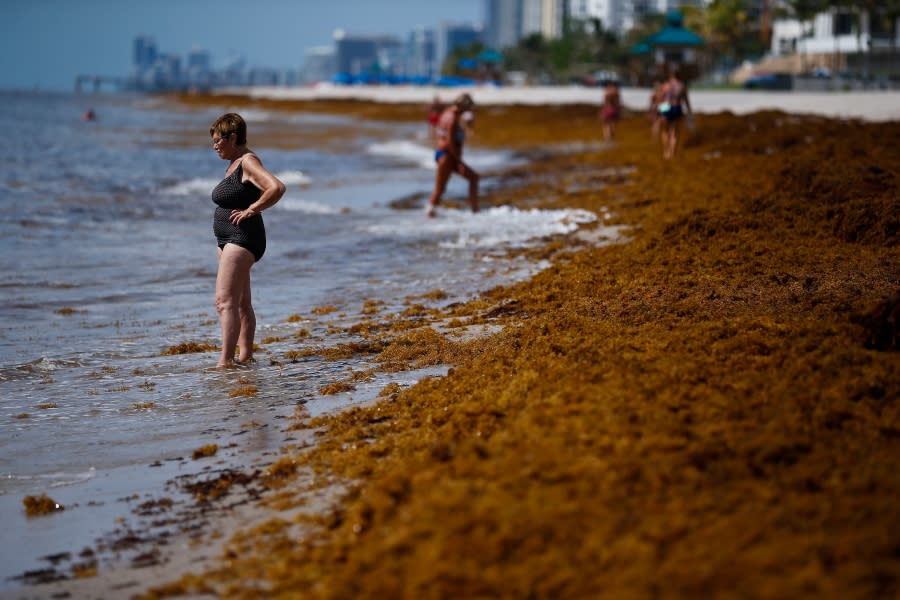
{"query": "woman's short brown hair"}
(230, 123)
(464, 101)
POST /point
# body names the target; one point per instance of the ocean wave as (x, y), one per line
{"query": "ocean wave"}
(294, 177)
(55, 480)
(409, 152)
(191, 187)
(204, 186)
(495, 226)
(305, 206)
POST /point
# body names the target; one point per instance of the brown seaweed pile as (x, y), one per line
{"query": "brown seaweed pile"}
(709, 410)
(41, 505)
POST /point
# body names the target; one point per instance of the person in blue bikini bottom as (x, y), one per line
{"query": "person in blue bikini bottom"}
(449, 136)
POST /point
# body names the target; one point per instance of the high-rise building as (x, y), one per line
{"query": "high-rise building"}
(319, 64)
(451, 36)
(542, 16)
(145, 54)
(421, 53)
(610, 13)
(508, 21)
(359, 54)
(198, 59)
(503, 27)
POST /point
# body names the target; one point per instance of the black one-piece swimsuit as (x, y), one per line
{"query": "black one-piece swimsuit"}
(230, 195)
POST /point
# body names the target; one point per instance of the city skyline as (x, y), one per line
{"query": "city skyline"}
(51, 42)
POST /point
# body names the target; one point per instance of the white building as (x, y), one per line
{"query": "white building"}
(544, 17)
(619, 16)
(829, 33)
(611, 13)
(835, 39)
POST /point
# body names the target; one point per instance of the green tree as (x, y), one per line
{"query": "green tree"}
(729, 26)
(582, 49)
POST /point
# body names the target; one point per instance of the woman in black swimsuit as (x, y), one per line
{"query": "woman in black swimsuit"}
(247, 190)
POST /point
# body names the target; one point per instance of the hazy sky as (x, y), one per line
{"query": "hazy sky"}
(46, 43)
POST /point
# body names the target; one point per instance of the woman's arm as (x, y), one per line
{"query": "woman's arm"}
(271, 187)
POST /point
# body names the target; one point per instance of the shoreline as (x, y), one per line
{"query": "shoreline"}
(707, 409)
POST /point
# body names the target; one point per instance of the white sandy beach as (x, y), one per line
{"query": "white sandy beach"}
(869, 105)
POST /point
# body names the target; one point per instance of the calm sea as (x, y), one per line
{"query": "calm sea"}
(107, 259)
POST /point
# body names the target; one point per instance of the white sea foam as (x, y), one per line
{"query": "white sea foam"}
(57, 479)
(305, 206)
(406, 151)
(191, 187)
(200, 185)
(496, 226)
(294, 177)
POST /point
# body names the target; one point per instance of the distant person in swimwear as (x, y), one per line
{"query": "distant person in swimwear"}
(449, 136)
(247, 190)
(653, 115)
(89, 115)
(434, 113)
(611, 110)
(674, 104)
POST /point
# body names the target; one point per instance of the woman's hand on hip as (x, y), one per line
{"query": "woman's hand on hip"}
(241, 215)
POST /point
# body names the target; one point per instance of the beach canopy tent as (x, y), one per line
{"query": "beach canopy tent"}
(674, 44)
(674, 34)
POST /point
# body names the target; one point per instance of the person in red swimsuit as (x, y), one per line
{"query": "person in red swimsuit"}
(611, 110)
(434, 113)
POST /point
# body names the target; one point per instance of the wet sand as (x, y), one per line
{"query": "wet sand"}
(706, 409)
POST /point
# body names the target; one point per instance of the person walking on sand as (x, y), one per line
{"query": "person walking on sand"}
(674, 103)
(611, 110)
(247, 190)
(449, 138)
(653, 113)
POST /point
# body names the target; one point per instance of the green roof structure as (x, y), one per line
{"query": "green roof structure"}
(673, 34)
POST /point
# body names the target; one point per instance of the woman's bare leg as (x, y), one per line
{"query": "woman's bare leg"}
(473, 177)
(670, 139)
(248, 324)
(232, 281)
(441, 176)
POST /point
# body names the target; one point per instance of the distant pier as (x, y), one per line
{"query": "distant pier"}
(96, 83)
